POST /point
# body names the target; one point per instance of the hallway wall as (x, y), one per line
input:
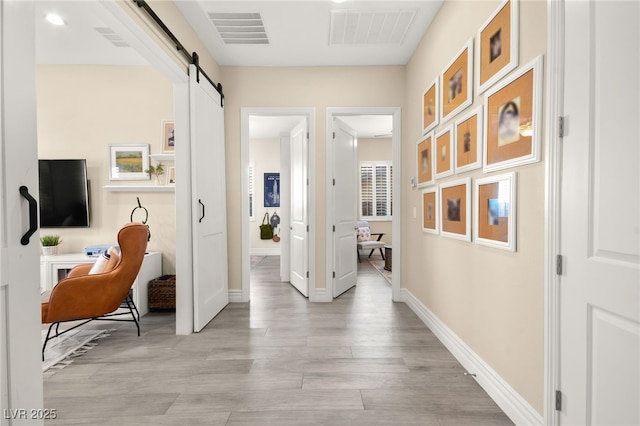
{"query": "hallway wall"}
(491, 299)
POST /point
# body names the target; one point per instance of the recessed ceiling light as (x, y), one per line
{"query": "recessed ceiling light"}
(54, 19)
(338, 1)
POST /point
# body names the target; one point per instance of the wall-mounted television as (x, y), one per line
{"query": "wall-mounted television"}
(64, 194)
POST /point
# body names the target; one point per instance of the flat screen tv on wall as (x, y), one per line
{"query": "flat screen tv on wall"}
(64, 194)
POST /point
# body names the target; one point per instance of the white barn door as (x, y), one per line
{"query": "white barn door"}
(599, 371)
(345, 196)
(20, 341)
(210, 266)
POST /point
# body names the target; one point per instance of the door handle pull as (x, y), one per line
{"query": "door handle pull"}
(202, 217)
(33, 215)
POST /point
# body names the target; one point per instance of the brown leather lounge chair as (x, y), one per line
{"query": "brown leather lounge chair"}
(81, 296)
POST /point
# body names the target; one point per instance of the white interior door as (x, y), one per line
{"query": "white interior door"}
(299, 248)
(20, 341)
(210, 275)
(599, 371)
(345, 196)
(285, 207)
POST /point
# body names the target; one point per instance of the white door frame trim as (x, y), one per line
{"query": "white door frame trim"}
(396, 141)
(245, 113)
(553, 163)
(160, 59)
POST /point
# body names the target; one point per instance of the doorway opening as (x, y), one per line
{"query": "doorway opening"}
(362, 119)
(277, 179)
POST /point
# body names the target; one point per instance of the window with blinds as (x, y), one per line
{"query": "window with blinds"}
(376, 180)
(251, 190)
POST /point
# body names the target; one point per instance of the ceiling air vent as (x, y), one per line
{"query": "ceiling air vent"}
(240, 28)
(370, 27)
(111, 35)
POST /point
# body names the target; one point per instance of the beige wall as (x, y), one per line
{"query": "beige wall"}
(265, 156)
(378, 149)
(318, 87)
(490, 298)
(83, 109)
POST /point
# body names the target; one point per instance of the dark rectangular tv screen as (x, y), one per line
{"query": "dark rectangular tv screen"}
(64, 193)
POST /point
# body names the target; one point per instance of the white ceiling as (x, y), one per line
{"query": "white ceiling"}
(299, 33)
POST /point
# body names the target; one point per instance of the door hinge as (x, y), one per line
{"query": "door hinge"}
(307, 274)
(334, 228)
(307, 135)
(334, 274)
(334, 182)
(559, 264)
(561, 127)
(307, 181)
(307, 228)
(334, 135)
(558, 400)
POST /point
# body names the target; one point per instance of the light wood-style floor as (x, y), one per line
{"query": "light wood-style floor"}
(278, 360)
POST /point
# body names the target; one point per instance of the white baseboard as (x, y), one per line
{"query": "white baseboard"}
(266, 251)
(510, 401)
(235, 296)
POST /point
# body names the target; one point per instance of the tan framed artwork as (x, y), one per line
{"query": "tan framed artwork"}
(497, 45)
(468, 141)
(443, 152)
(168, 139)
(495, 211)
(456, 83)
(424, 160)
(455, 209)
(430, 210)
(512, 121)
(430, 106)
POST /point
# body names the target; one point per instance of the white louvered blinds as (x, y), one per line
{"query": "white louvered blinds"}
(375, 190)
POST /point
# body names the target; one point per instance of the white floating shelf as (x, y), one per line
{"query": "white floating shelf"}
(140, 188)
(163, 157)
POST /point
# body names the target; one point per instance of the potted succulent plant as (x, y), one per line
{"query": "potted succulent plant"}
(156, 171)
(50, 244)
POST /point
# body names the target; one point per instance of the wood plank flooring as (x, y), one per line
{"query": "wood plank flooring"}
(278, 360)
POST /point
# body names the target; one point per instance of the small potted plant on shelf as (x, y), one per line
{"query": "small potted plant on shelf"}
(50, 244)
(156, 171)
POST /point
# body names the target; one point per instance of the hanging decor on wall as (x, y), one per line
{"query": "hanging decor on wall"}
(468, 141)
(495, 211)
(456, 83)
(424, 160)
(455, 209)
(168, 138)
(430, 106)
(128, 161)
(430, 209)
(497, 45)
(444, 153)
(272, 189)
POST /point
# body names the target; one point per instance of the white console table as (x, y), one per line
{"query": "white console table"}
(55, 268)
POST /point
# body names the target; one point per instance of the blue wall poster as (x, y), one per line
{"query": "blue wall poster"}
(272, 189)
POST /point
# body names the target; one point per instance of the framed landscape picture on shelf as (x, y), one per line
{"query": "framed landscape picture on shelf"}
(495, 211)
(168, 137)
(128, 161)
(456, 83)
(468, 141)
(430, 209)
(424, 160)
(444, 152)
(455, 209)
(430, 106)
(497, 45)
(512, 117)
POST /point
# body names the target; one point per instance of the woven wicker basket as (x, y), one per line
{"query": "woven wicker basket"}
(162, 293)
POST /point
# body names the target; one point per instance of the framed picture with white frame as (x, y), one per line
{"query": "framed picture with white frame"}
(424, 160)
(456, 83)
(431, 106)
(495, 211)
(444, 152)
(467, 136)
(430, 210)
(455, 209)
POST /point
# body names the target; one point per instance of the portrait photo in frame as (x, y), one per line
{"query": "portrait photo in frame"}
(171, 176)
(430, 106)
(467, 134)
(128, 162)
(430, 210)
(455, 209)
(424, 160)
(495, 211)
(168, 138)
(444, 152)
(456, 83)
(497, 45)
(512, 119)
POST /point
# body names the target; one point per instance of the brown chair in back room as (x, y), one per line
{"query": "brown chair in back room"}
(88, 297)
